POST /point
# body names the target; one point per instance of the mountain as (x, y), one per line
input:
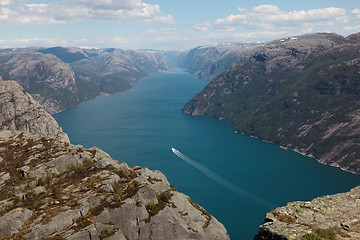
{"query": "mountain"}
(60, 78)
(206, 62)
(302, 93)
(51, 189)
(328, 217)
(19, 111)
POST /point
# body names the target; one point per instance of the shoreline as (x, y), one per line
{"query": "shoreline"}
(295, 150)
(103, 94)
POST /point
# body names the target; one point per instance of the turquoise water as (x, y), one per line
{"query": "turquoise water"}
(140, 126)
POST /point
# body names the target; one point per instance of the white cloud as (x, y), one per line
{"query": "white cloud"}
(6, 14)
(352, 29)
(357, 13)
(76, 10)
(201, 27)
(271, 17)
(35, 41)
(170, 38)
(172, 30)
(307, 30)
(5, 2)
(119, 40)
(266, 9)
(246, 36)
(105, 42)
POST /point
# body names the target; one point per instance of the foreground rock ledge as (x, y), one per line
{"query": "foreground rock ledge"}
(336, 215)
(51, 189)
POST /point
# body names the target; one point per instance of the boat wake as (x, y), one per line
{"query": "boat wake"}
(223, 182)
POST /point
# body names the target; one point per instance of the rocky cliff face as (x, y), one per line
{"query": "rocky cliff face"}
(19, 111)
(52, 189)
(50, 81)
(300, 92)
(59, 78)
(329, 217)
(206, 62)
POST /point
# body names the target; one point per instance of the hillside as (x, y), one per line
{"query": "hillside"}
(302, 93)
(60, 78)
(19, 111)
(206, 62)
(54, 189)
(51, 189)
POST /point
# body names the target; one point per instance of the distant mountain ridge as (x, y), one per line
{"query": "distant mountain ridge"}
(51, 189)
(300, 92)
(63, 77)
(206, 62)
(59, 78)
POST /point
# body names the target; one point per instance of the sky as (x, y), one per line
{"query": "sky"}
(168, 24)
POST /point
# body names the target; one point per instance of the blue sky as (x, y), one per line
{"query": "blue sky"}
(168, 24)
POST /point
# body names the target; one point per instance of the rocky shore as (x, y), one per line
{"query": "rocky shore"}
(328, 217)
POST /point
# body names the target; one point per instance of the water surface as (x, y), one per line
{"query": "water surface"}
(140, 126)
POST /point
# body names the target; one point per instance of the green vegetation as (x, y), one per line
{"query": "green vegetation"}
(284, 217)
(81, 168)
(325, 234)
(107, 233)
(163, 199)
(57, 237)
(311, 236)
(320, 234)
(203, 212)
(274, 105)
(45, 180)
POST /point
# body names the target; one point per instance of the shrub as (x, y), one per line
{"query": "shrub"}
(44, 180)
(152, 209)
(310, 236)
(325, 233)
(284, 217)
(81, 168)
(107, 233)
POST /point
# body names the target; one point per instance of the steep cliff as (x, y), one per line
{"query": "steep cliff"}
(206, 62)
(19, 111)
(52, 189)
(300, 92)
(59, 78)
(329, 217)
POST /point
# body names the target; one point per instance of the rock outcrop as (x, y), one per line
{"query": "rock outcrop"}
(299, 92)
(52, 189)
(329, 217)
(19, 111)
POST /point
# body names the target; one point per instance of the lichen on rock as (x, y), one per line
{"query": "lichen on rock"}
(57, 189)
(336, 215)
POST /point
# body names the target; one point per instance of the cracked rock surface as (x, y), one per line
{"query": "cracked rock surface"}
(337, 215)
(19, 111)
(50, 188)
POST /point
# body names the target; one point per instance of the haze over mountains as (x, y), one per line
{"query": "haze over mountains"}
(60, 78)
(300, 92)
